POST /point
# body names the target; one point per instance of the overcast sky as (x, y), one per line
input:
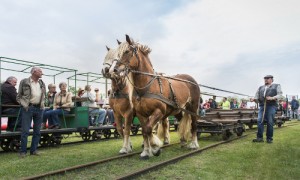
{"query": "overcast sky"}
(229, 44)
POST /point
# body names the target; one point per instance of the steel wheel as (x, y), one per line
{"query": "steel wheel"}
(54, 140)
(86, 135)
(5, 144)
(239, 131)
(96, 135)
(44, 140)
(15, 145)
(107, 133)
(135, 130)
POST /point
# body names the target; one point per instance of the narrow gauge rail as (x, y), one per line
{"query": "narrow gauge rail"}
(142, 171)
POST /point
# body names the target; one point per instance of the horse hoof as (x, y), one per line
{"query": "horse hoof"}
(144, 157)
(157, 153)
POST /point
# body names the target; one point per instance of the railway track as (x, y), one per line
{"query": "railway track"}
(144, 170)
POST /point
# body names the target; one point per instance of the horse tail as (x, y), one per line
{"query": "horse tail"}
(160, 130)
(185, 126)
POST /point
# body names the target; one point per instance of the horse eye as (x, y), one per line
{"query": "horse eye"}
(126, 52)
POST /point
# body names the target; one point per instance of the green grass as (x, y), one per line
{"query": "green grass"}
(240, 162)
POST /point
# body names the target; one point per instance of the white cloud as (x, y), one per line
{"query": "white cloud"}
(211, 40)
(205, 36)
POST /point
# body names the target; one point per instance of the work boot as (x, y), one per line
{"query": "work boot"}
(269, 141)
(258, 140)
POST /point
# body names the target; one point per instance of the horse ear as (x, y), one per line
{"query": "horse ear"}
(119, 42)
(107, 48)
(128, 40)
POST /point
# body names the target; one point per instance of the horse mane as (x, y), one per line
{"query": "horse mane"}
(144, 49)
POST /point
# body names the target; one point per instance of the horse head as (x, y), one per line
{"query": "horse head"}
(128, 57)
(109, 60)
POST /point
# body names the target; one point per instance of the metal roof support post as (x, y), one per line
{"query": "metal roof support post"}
(87, 78)
(106, 88)
(75, 87)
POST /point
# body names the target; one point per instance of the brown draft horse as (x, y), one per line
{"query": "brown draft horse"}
(153, 96)
(119, 102)
(122, 106)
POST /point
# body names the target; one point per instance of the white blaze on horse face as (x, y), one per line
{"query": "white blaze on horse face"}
(112, 67)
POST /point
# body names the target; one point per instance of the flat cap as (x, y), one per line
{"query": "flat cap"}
(268, 76)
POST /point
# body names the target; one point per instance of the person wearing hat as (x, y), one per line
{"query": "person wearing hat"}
(267, 97)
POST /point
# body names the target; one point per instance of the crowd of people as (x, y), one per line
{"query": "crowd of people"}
(32, 102)
(226, 104)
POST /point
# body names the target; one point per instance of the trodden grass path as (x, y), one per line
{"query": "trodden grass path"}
(242, 160)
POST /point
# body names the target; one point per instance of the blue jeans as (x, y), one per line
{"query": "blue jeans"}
(45, 118)
(269, 118)
(52, 116)
(294, 114)
(101, 113)
(35, 114)
(12, 121)
(110, 115)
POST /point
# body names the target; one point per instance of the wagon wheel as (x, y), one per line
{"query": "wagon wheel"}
(239, 131)
(226, 134)
(135, 130)
(116, 134)
(54, 140)
(44, 140)
(15, 145)
(5, 144)
(86, 135)
(96, 135)
(107, 133)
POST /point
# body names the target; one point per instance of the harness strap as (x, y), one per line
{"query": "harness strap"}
(173, 94)
(119, 95)
(160, 84)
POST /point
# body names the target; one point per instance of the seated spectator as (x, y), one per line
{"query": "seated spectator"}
(225, 104)
(62, 103)
(110, 115)
(243, 104)
(9, 97)
(234, 104)
(206, 107)
(251, 104)
(79, 94)
(93, 109)
(49, 103)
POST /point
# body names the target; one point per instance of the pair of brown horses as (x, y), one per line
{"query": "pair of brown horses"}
(151, 97)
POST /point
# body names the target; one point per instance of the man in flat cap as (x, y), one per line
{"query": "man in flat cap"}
(267, 97)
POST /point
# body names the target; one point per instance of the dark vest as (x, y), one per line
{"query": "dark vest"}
(271, 91)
